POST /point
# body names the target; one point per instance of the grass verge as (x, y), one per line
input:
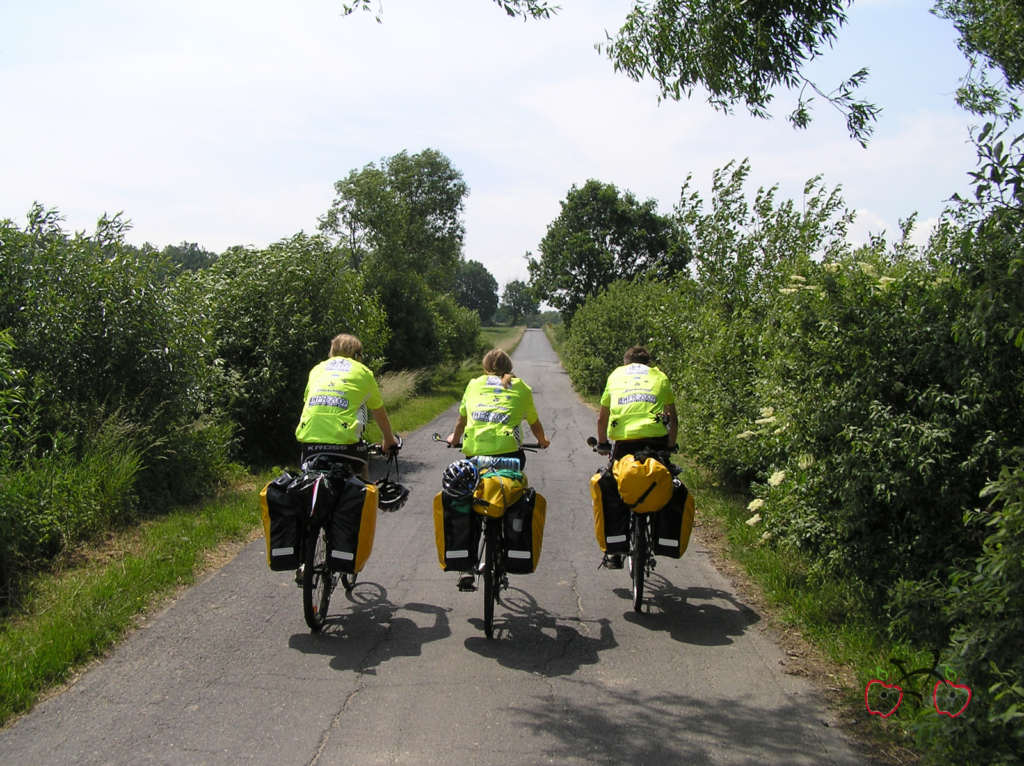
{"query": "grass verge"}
(76, 613)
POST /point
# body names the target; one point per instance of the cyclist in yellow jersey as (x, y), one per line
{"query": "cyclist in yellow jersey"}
(339, 392)
(493, 407)
(637, 410)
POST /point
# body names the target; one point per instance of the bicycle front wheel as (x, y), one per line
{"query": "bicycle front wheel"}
(316, 579)
(490, 574)
(638, 557)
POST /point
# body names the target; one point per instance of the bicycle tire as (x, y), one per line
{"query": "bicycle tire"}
(638, 559)
(316, 580)
(490, 575)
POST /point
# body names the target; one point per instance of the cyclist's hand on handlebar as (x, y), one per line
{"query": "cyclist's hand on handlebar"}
(391, 446)
(450, 439)
(543, 443)
(603, 448)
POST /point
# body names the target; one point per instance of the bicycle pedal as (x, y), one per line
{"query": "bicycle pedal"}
(467, 584)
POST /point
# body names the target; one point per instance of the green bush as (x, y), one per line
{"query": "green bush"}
(96, 326)
(457, 328)
(622, 315)
(985, 606)
(66, 495)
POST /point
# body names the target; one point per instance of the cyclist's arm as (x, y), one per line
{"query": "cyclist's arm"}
(456, 435)
(538, 432)
(380, 417)
(602, 425)
(673, 423)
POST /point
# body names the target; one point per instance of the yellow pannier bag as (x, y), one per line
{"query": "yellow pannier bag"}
(644, 485)
(498, 490)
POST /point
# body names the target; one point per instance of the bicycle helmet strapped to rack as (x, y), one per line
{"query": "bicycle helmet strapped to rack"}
(391, 495)
(460, 479)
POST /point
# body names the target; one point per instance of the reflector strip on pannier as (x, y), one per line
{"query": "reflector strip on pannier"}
(616, 538)
(668, 541)
(456, 555)
(343, 555)
(282, 551)
(520, 554)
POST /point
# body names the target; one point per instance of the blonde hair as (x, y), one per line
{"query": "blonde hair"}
(497, 362)
(347, 345)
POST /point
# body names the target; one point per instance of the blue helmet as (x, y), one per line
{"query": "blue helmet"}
(460, 479)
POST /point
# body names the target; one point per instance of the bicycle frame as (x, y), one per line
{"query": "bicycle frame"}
(318, 580)
(640, 560)
(491, 564)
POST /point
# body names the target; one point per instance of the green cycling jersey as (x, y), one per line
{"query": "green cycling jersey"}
(338, 393)
(493, 414)
(636, 395)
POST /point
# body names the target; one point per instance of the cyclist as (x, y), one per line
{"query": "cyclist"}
(492, 408)
(339, 392)
(637, 410)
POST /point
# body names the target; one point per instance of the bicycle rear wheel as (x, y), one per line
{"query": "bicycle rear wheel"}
(490, 574)
(638, 557)
(316, 579)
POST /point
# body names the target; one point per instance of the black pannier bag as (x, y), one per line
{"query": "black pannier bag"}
(456, 534)
(282, 523)
(611, 515)
(523, 525)
(351, 525)
(673, 523)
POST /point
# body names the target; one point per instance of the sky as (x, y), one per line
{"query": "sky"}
(223, 122)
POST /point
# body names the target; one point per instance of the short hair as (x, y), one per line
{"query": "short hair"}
(347, 345)
(637, 355)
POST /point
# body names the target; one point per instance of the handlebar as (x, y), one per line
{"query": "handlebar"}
(533, 447)
(378, 449)
(606, 448)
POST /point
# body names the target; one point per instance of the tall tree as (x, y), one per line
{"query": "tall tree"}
(189, 256)
(400, 221)
(599, 236)
(476, 289)
(519, 300)
(404, 213)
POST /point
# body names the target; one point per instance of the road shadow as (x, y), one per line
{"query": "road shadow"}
(595, 724)
(530, 638)
(374, 630)
(690, 615)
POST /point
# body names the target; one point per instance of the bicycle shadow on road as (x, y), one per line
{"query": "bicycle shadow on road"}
(530, 638)
(599, 724)
(374, 630)
(692, 615)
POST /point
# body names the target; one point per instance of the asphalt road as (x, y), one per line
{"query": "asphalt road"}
(402, 674)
